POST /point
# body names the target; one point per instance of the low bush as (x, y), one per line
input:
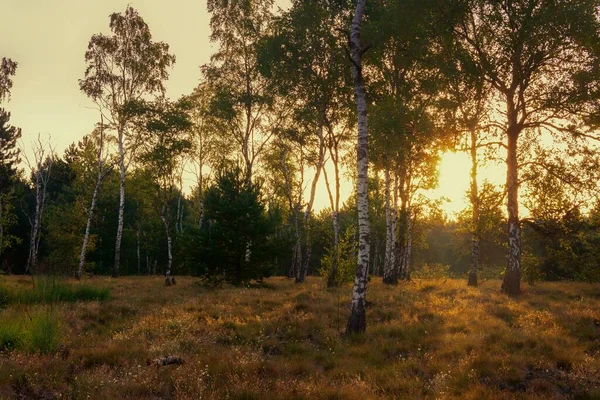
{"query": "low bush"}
(432, 271)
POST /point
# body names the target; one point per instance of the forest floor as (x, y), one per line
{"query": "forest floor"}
(425, 339)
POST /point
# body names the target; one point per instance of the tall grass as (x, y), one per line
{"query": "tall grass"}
(43, 332)
(39, 332)
(11, 335)
(49, 290)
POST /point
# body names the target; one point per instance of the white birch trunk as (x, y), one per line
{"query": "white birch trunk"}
(357, 322)
(308, 213)
(88, 226)
(119, 236)
(168, 277)
(409, 240)
(179, 214)
(139, 260)
(475, 212)
(512, 279)
(389, 269)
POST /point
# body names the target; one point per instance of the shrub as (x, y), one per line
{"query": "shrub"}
(432, 271)
(236, 244)
(346, 260)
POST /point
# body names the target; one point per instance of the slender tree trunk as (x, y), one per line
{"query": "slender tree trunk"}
(297, 260)
(512, 277)
(32, 260)
(332, 279)
(357, 322)
(116, 266)
(475, 215)
(139, 260)
(408, 253)
(179, 214)
(400, 224)
(168, 277)
(390, 275)
(308, 213)
(201, 197)
(40, 217)
(1, 224)
(201, 217)
(88, 226)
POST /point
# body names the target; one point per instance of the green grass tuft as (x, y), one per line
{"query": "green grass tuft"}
(43, 332)
(11, 335)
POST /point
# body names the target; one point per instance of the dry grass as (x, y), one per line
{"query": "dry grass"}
(426, 339)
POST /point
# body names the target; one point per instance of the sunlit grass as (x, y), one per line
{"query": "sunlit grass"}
(425, 339)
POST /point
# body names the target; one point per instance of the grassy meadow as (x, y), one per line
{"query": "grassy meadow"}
(431, 339)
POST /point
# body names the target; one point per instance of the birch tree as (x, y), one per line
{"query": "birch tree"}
(164, 136)
(407, 82)
(124, 67)
(210, 149)
(41, 168)
(357, 322)
(304, 61)
(242, 101)
(530, 52)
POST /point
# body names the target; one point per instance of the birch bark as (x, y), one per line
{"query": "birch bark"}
(358, 322)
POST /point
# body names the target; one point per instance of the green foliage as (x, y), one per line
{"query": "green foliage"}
(346, 259)
(236, 243)
(530, 265)
(127, 60)
(7, 69)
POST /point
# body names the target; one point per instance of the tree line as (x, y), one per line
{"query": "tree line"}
(328, 90)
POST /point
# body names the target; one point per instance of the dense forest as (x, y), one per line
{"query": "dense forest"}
(367, 92)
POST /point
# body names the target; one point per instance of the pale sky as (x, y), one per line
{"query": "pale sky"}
(48, 38)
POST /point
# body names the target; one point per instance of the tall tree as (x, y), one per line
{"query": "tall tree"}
(357, 322)
(242, 100)
(304, 61)
(41, 169)
(530, 52)
(469, 99)
(165, 141)
(9, 152)
(9, 160)
(102, 168)
(123, 67)
(209, 148)
(8, 68)
(406, 86)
